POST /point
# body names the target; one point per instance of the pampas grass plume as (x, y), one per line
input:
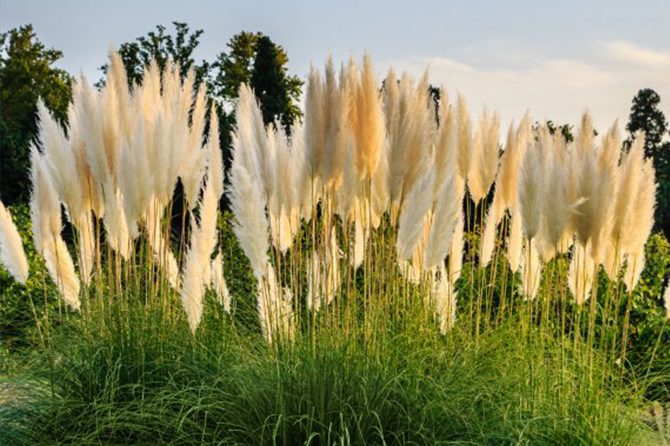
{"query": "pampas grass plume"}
(410, 223)
(12, 255)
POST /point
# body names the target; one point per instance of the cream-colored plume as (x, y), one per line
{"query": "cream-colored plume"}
(46, 219)
(484, 160)
(12, 255)
(411, 221)
(219, 282)
(445, 299)
(530, 270)
(580, 274)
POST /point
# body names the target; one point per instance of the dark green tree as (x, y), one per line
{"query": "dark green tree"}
(233, 68)
(27, 73)
(254, 59)
(161, 47)
(646, 116)
(276, 91)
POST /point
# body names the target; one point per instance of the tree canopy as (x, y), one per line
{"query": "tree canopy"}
(27, 72)
(646, 116)
(159, 46)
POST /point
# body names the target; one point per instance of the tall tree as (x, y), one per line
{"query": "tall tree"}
(160, 46)
(276, 91)
(27, 73)
(233, 68)
(256, 60)
(646, 116)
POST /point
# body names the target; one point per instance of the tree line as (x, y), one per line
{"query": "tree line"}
(28, 72)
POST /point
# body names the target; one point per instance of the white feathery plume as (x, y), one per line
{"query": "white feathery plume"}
(46, 220)
(515, 241)
(193, 286)
(642, 220)
(59, 160)
(346, 196)
(251, 223)
(159, 246)
(530, 270)
(445, 299)
(12, 255)
(513, 155)
(250, 137)
(282, 196)
(333, 255)
(634, 210)
(446, 142)
(86, 240)
(295, 192)
(116, 225)
(585, 183)
(556, 208)
(134, 179)
(88, 106)
(197, 273)
(218, 282)
(207, 226)
(493, 217)
(419, 155)
(314, 283)
(61, 269)
(323, 275)
(446, 213)
(634, 267)
(608, 158)
(315, 123)
(612, 259)
(90, 187)
(411, 221)
(580, 274)
(380, 191)
(464, 139)
(484, 161)
(410, 141)
(45, 211)
(530, 190)
(336, 129)
(70, 176)
(419, 255)
(395, 135)
(368, 120)
(359, 244)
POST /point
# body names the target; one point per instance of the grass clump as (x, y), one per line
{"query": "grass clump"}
(149, 385)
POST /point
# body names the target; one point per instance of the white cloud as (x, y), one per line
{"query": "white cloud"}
(603, 81)
(630, 54)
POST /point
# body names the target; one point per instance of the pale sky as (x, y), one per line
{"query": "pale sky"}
(554, 58)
